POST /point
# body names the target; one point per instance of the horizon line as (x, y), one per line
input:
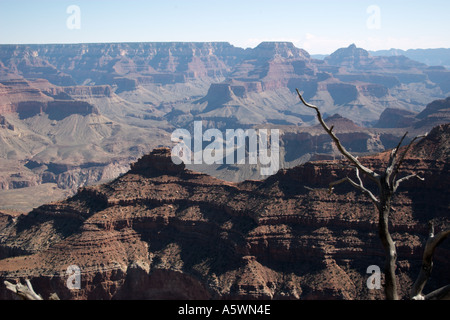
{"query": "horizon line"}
(219, 41)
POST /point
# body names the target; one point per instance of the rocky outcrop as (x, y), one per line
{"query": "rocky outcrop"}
(354, 58)
(435, 113)
(27, 100)
(373, 90)
(157, 162)
(4, 124)
(342, 93)
(13, 92)
(78, 91)
(218, 95)
(350, 58)
(315, 143)
(163, 232)
(56, 110)
(396, 118)
(66, 177)
(384, 79)
(269, 49)
(440, 76)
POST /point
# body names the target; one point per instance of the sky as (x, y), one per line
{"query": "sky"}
(318, 26)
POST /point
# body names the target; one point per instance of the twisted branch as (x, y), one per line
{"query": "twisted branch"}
(25, 292)
(427, 265)
(359, 186)
(399, 163)
(373, 175)
(399, 181)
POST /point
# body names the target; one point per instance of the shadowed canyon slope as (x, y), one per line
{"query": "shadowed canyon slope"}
(76, 114)
(161, 231)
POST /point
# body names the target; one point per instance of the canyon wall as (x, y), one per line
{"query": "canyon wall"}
(163, 232)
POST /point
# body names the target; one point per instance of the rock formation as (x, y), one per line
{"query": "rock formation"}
(396, 118)
(270, 67)
(79, 104)
(38, 119)
(164, 232)
(435, 112)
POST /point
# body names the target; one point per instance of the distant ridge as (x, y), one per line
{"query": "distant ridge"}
(431, 57)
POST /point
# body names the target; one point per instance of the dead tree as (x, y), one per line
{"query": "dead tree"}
(387, 183)
(26, 292)
(427, 265)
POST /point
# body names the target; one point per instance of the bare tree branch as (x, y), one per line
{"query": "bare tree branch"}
(373, 175)
(393, 156)
(402, 157)
(439, 294)
(397, 148)
(25, 292)
(335, 183)
(359, 186)
(399, 181)
(427, 265)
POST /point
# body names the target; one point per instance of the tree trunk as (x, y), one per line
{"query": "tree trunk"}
(388, 183)
(384, 209)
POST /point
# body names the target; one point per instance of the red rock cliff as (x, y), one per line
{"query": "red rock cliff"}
(164, 232)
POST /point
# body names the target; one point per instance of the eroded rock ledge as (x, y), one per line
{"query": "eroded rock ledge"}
(163, 232)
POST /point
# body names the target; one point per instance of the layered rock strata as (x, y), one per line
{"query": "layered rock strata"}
(163, 232)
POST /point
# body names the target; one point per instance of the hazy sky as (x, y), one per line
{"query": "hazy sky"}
(319, 26)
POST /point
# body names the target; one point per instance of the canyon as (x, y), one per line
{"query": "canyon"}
(162, 231)
(73, 115)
